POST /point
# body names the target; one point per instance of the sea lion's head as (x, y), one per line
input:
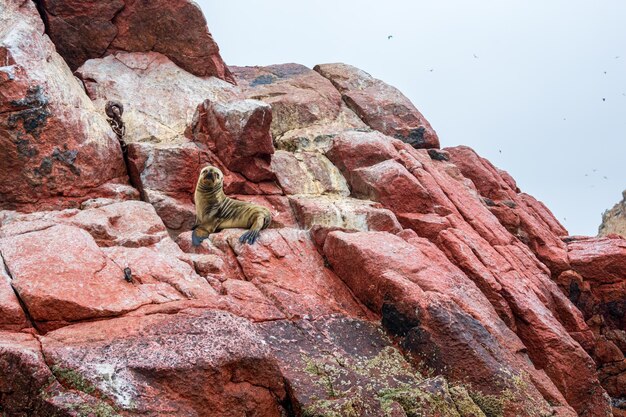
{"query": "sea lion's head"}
(211, 176)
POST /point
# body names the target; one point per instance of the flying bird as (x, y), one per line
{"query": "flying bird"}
(475, 56)
(390, 36)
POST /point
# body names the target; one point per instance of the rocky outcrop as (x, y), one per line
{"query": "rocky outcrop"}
(306, 108)
(381, 106)
(55, 147)
(393, 280)
(82, 30)
(595, 284)
(614, 220)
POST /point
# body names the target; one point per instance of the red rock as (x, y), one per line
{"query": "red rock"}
(380, 106)
(159, 98)
(138, 363)
(150, 268)
(607, 352)
(516, 283)
(217, 246)
(26, 384)
(239, 134)
(61, 275)
(131, 224)
(521, 214)
(177, 29)
(55, 147)
(423, 298)
(287, 268)
(246, 293)
(602, 260)
(300, 99)
(307, 173)
(344, 366)
(11, 314)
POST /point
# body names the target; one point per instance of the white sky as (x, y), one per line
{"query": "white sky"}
(532, 102)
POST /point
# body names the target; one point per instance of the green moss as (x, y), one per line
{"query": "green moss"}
(464, 403)
(415, 402)
(353, 407)
(73, 379)
(99, 410)
(388, 363)
(492, 405)
(325, 374)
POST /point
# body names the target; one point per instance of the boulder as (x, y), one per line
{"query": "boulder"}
(138, 363)
(308, 173)
(82, 30)
(343, 213)
(381, 106)
(61, 275)
(159, 98)
(301, 99)
(285, 265)
(239, 134)
(57, 149)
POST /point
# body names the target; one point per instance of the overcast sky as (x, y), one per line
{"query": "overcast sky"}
(538, 87)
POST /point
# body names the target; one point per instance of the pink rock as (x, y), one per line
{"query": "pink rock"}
(380, 106)
(159, 98)
(287, 268)
(422, 298)
(239, 134)
(521, 214)
(177, 29)
(138, 363)
(307, 173)
(516, 283)
(343, 213)
(55, 147)
(223, 260)
(601, 260)
(61, 275)
(300, 99)
(12, 316)
(258, 306)
(26, 382)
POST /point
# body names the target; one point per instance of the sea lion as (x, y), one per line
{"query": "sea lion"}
(215, 211)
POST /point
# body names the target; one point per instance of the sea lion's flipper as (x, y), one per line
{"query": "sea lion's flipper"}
(249, 237)
(198, 235)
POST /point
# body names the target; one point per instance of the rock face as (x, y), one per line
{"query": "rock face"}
(54, 146)
(614, 220)
(381, 106)
(393, 280)
(83, 30)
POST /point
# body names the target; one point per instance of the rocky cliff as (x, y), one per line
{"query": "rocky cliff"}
(614, 220)
(396, 279)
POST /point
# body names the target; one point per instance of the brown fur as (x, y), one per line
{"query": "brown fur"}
(215, 211)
